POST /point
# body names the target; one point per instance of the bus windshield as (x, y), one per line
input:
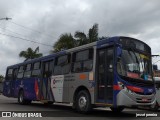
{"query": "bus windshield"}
(134, 65)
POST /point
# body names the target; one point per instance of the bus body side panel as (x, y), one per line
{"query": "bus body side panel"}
(6, 88)
(64, 86)
(44, 92)
(57, 82)
(59, 86)
(81, 80)
(28, 85)
(67, 78)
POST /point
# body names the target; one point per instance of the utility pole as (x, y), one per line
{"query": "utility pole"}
(5, 18)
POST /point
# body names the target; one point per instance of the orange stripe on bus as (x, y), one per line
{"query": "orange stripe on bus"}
(116, 87)
(82, 76)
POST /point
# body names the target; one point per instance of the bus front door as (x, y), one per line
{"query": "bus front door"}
(105, 75)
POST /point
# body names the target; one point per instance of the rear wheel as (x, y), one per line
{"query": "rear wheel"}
(83, 102)
(21, 99)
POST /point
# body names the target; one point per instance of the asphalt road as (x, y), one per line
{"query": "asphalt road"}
(65, 112)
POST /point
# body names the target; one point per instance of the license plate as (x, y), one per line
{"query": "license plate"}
(144, 99)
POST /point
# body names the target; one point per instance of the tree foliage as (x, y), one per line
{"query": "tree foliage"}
(67, 41)
(92, 35)
(30, 53)
(1, 78)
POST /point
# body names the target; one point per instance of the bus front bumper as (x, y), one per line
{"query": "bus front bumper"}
(132, 99)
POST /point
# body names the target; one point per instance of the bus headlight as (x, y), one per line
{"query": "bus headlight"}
(129, 91)
(123, 87)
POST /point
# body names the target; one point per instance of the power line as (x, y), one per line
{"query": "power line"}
(25, 39)
(30, 29)
(12, 31)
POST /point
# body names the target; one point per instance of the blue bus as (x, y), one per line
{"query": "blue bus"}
(114, 72)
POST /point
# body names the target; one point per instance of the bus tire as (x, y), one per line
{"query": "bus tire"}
(156, 107)
(49, 103)
(83, 102)
(21, 99)
(28, 101)
(117, 109)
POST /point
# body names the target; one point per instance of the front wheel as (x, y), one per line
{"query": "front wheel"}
(155, 107)
(83, 102)
(49, 103)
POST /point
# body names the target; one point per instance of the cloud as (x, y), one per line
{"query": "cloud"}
(52, 18)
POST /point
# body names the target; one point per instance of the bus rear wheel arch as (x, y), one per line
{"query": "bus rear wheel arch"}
(83, 101)
(21, 99)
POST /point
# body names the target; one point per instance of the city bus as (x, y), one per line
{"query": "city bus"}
(115, 72)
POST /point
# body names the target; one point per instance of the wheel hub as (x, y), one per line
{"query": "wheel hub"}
(21, 98)
(82, 102)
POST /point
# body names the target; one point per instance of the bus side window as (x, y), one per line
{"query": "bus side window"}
(82, 61)
(48, 66)
(62, 65)
(27, 72)
(20, 72)
(9, 74)
(15, 71)
(88, 64)
(36, 69)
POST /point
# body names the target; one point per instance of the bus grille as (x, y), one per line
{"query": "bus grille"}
(139, 100)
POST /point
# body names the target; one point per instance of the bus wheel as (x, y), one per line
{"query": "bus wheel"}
(117, 109)
(48, 103)
(21, 98)
(156, 107)
(83, 102)
(28, 101)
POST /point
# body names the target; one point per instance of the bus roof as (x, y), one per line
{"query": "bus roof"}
(97, 43)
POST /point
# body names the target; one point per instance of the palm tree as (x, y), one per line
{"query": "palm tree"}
(92, 35)
(30, 53)
(66, 41)
(81, 38)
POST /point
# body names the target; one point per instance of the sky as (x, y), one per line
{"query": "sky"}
(45, 20)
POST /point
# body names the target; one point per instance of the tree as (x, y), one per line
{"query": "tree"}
(1, 78)
(30, 53)
(66, 41)
(92, 35)
(103, 37)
